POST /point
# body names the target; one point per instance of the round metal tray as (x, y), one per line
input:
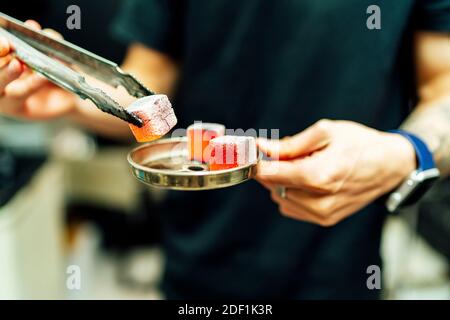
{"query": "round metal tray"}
(163, 164)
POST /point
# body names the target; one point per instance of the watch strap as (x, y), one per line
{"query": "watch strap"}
(424, 156)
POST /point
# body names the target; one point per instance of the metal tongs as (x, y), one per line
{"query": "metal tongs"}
(41, 53)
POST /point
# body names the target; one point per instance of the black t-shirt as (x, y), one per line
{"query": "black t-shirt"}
(278, 64)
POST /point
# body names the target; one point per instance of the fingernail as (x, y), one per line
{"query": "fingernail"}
(33, 24)
(268, 144)
(14, 67)
(4, 47)
(261, 142)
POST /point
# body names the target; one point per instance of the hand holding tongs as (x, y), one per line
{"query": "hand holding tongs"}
(37, 50)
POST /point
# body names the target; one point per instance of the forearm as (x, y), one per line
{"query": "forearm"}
(431, 122)
(431, 119)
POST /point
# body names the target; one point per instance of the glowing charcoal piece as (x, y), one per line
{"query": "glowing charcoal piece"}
(157, 116)
(232, 151)
(199, 135)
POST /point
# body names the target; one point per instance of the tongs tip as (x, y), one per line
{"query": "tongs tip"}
(134, 120)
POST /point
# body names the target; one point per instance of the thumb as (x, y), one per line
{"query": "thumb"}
(312, 139)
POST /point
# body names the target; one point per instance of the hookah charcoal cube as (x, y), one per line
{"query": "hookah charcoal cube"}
(157, 116)
(199, 135)
(229, 152)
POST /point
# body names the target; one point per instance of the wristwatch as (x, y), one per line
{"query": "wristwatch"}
(419, 181)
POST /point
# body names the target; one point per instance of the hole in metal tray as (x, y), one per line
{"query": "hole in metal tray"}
(196, 168)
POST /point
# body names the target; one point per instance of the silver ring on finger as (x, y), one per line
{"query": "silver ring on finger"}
(281, 191)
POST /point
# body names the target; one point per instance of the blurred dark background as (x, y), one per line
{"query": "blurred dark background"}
(94, 34)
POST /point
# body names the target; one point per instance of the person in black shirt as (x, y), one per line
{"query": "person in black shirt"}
(285, 65)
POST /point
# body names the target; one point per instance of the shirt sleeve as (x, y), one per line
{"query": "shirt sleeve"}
(154, 23)
(434, 15)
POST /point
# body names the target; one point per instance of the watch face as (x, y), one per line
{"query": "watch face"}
(419, 191)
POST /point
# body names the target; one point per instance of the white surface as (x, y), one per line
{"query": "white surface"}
(412, 269)
(31, 261)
